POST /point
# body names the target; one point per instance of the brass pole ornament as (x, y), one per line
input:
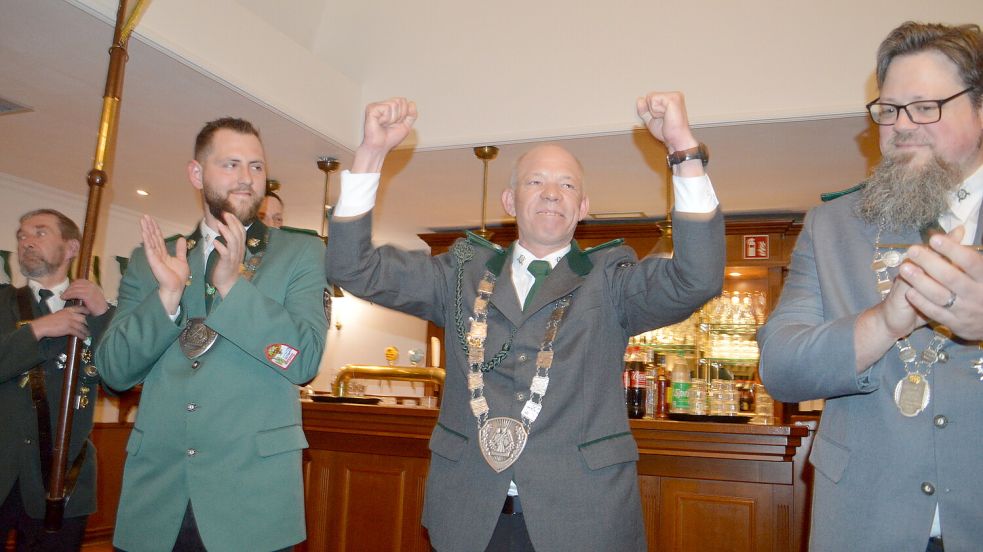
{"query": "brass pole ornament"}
(486, 154)
(328, 165)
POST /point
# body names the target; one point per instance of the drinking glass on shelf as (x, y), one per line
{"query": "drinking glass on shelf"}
(698, 399)
(764, 406)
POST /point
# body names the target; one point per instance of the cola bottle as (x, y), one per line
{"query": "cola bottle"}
(634, 380)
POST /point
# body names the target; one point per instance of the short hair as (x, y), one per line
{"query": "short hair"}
(69, 230)
(203, 142)
(962, 44)
(273, 195)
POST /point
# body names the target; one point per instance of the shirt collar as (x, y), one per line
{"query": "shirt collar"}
(56, 290)
(207, 233)
(972, 192)
(521, 257)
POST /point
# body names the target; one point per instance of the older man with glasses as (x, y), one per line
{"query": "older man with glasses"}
(882, 313)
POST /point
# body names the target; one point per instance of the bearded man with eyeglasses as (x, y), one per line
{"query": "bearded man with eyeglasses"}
(882, 313)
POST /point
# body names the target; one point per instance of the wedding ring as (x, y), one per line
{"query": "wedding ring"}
(952, 300)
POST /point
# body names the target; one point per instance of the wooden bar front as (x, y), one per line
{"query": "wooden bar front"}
(704, 486)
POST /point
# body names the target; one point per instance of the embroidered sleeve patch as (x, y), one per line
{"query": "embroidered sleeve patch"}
(281, 354)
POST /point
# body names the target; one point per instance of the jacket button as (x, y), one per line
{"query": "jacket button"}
(941, 421)
(27, 441)
(943, 357)
(192, 407)
(522, 357)
(192, 452)
(520, 396)
(195, 365)
(928, 488)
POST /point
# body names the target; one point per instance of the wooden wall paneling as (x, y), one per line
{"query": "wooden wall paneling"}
(318, 506)
(110, 442)
(649, 487)
(712, 516)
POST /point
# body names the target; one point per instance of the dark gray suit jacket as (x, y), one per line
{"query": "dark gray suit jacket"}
(577, 475)
(19, 458)
(879, 474)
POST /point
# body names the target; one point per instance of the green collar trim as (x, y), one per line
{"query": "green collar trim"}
(830, 196)
(294, 230)
(578, 261)
(497, 261)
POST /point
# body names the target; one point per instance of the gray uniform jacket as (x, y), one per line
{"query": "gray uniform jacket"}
(577, 476)
(879, 474)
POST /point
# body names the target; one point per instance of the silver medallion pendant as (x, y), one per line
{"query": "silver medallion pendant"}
(197, 338)
(912, 394)
(501, 441)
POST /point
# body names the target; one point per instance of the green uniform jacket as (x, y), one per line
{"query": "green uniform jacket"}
(223, 431)
(19, 458)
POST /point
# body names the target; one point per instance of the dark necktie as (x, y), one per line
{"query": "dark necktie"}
(539, 270)
(209, 268)
(43, 307)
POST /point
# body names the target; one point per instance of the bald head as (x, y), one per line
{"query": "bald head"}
(548, 151)
(547, 198)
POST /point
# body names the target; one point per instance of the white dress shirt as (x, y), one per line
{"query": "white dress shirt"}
(55, 302)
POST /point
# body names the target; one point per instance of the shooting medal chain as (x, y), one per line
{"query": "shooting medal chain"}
(502, 439)
(197, 338)
(912, 393)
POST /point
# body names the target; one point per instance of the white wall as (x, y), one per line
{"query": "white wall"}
(359, 333)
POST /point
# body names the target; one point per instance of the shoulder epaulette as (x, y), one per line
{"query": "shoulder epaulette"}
(475, 239)
(830, 196)
(307, 231)
(174, 237)
(604, 245)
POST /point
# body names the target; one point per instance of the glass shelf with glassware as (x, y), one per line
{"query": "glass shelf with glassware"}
(711, 359)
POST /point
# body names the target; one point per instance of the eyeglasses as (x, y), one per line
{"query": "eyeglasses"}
(922, 112)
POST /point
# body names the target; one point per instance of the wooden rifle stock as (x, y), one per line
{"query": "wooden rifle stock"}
(96, 180)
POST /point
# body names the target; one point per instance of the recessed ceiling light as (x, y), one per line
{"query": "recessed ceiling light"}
(734, 274)
(143, 193)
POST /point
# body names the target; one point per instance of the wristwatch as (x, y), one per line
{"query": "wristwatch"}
(699, 152)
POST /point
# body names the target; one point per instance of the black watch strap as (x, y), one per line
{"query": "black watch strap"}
(699, 152)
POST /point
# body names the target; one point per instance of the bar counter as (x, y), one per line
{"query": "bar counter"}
(704, 486)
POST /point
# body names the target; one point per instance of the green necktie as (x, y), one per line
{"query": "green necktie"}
(539, 270)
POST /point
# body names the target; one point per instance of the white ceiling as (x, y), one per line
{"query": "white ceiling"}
(486, 78)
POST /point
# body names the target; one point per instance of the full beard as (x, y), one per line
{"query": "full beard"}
(901, 197)
(218, 204)
(34, 266)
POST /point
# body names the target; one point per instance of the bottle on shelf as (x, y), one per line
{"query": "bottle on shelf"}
(634, 380)
(680, 383)
(661, 410)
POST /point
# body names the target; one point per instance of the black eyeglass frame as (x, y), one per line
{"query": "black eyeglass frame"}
(899, 108)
